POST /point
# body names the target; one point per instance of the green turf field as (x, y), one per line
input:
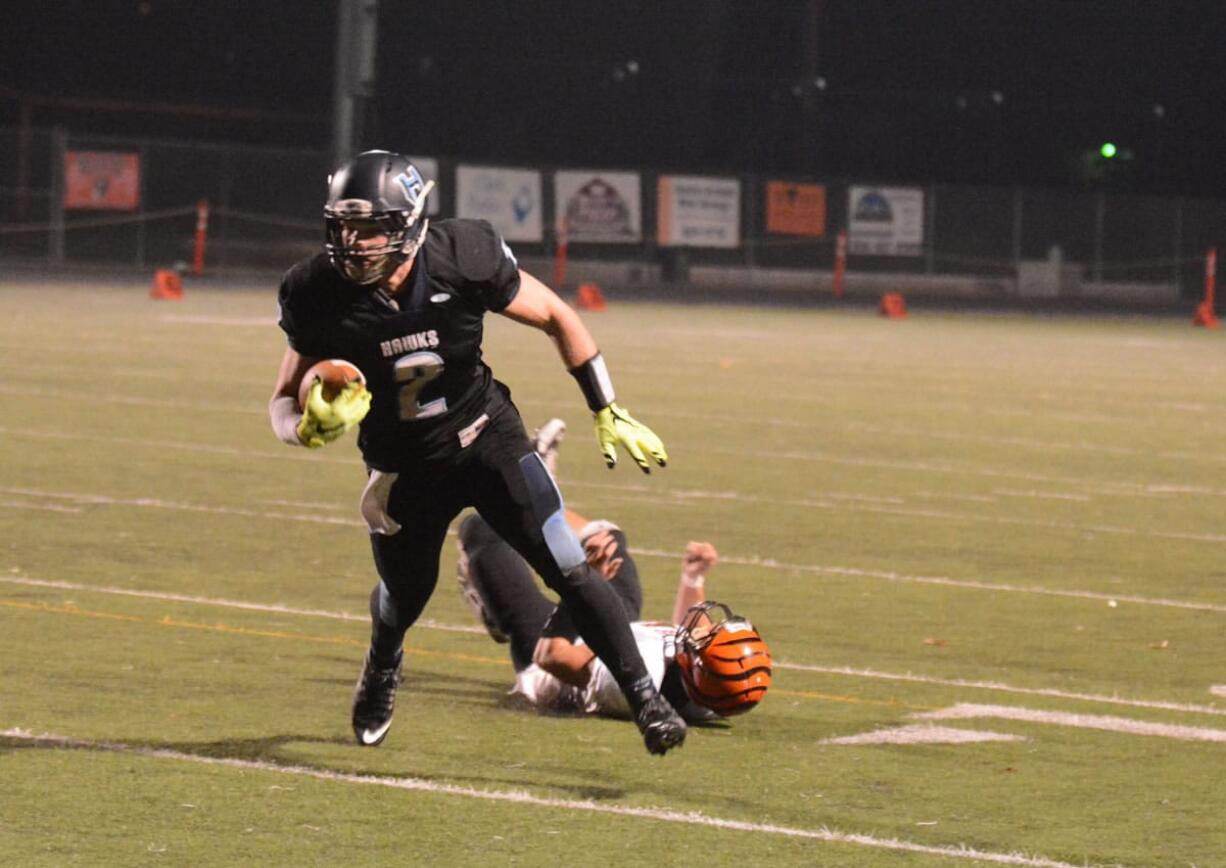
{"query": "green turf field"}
(950, 526)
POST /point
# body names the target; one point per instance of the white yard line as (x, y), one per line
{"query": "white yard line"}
(685, 498)
(277, 608)
(274, 608)
(846, 502)
(86, 400)
(1004, 688)
(1120, 489)
(922, 733)
(661, 412)
(1032, 443)
(157, 503)
(45, 507)
(282, 454)
(1106, 723)
(853, 572)
(1041, 495)
(83, 499)
(652, 411)
(824, 497)
(524, 798)
(200, 319)
(1124, 488)
(309, 504)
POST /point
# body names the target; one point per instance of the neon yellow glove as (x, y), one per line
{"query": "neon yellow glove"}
(324, 421)
(614, 425)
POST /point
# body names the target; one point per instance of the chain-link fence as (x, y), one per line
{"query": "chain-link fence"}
(265, 207)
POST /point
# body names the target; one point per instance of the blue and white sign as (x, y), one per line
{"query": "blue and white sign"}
(509, 198)
(885, 221)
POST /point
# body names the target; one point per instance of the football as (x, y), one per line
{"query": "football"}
(335, 374)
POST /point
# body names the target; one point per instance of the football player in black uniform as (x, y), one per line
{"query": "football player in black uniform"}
(404, 301)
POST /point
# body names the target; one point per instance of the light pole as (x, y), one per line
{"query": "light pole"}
(353, 84)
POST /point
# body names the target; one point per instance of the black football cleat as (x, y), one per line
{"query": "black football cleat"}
(696, 715)
(661, 726)
(374, 700)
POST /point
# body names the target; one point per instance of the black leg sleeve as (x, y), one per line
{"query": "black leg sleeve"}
(522, 503)
(626, 581)
(507, 587)
(407, 562)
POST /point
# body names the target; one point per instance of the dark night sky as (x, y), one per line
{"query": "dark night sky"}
(909, 84)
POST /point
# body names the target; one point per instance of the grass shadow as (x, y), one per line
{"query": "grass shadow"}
(269, 750)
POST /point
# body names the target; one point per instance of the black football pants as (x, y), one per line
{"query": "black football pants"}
(510, 594)
(507, 482)
(507, 588)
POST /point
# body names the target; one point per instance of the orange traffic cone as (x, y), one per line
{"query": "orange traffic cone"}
(590, 297)
(167, 285)
(893, 306)
(1205, 316)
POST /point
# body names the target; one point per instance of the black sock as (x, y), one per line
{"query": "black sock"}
(386, 640)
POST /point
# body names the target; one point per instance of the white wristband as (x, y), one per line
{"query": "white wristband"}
(693, 581)
(284, 415)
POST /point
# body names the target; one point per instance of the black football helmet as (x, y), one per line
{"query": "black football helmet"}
(377, 192)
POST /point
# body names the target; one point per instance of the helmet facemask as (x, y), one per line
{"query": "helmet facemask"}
(348, 222)
(724, 663)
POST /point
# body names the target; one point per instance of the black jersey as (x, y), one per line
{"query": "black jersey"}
(420, 351)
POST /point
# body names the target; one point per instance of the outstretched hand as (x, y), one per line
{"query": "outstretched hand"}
(601, 551)
(614, 426)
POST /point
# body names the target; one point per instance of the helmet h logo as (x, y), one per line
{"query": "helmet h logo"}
(410, 180)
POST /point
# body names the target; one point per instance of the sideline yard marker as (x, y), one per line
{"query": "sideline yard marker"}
(922, 734)
(1107, 723)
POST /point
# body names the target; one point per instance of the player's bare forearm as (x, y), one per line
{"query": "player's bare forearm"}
(539, 306)
(283, 410)
(699, 559)
(564, 660)
(289, 374)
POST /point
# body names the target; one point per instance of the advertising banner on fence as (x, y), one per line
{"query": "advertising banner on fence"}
(796, 209)
(699, 212)
(886, 221)
(601, 207)
(508, 198)
(428, 166)
(102, 180)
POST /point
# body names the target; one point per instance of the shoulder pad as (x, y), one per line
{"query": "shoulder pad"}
(306, 273)
(469, 249)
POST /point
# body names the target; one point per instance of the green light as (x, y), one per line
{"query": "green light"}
(1107, 150)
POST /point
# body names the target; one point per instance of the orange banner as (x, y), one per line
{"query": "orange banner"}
(102, 180)
(795, 209)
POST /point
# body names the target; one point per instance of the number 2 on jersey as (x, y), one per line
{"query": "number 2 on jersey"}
(413, 373)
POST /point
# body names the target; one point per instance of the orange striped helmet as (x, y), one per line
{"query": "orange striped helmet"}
(724, 664)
